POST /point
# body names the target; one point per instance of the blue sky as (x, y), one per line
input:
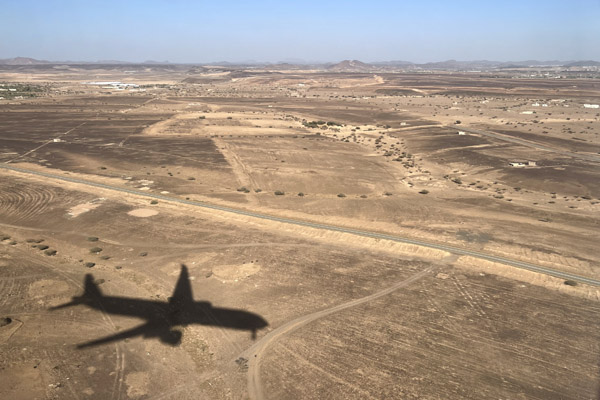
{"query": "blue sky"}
(261, 30)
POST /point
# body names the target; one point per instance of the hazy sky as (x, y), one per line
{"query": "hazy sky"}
(312, 30)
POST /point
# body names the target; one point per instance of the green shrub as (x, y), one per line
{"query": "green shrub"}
(301, 194)
(363, 196)
(92, 239)
(154, 202)
(95, 250)
(50, 252)
(89, 264)
(341, 195)
(279, 193)
(424, 191)
(570, 283)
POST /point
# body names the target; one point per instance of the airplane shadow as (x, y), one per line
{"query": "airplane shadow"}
(163, 317)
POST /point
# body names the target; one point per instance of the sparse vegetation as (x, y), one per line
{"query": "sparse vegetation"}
(279, 193)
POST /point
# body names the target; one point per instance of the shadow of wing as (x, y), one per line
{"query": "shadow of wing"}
(143, 329)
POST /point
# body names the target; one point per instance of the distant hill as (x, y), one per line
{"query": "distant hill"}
(588, 63)
(394, 63)
(343, 66)
(351, 66)
(22, 61)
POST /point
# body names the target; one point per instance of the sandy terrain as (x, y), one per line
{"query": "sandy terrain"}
(346, 316)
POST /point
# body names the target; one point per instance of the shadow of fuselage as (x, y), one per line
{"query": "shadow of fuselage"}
(163, 316)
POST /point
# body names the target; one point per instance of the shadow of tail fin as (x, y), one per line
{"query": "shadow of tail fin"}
(182, 296)
(90, 291)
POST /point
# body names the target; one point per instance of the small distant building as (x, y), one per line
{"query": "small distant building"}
(591, 106)
(461, 133)
(522, 163)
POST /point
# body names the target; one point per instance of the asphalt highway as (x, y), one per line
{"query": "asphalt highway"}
(375, 235)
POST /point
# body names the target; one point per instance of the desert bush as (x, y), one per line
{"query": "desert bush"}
(341, 195)
(92, 239)
(570, 283)
(424, 191)
(363, 196)
(95, 250)
(42, 246)
(279, 193)
(154, 202)
(50, 252)
(301, 194)
(89, 264)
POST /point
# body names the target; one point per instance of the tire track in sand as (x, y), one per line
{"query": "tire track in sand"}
(255, 353)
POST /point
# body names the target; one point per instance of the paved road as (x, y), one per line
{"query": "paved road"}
(534, 145)
(375, 235)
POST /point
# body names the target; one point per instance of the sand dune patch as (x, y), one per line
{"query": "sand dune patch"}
(142, 212)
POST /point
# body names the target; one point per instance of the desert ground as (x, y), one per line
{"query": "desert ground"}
(347, 235)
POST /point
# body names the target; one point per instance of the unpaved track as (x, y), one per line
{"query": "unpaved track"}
(437, 246)
(254, 353)
(533, 145)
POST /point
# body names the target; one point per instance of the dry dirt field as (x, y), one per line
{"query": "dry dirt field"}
(114, 183)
